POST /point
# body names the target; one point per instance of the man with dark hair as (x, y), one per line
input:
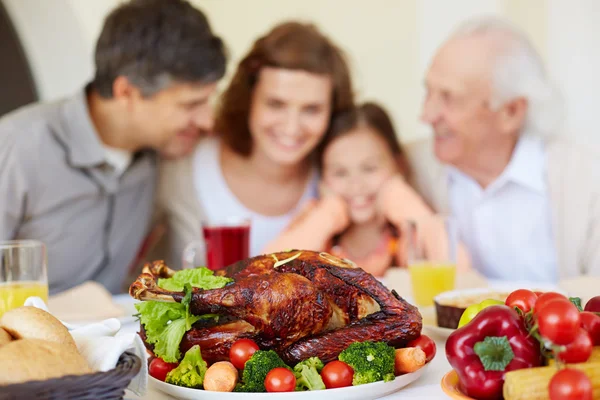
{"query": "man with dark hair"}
(79, 174)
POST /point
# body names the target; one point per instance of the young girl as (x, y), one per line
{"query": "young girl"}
(365, 199)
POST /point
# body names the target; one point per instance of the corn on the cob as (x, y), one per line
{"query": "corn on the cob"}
(593, 358)
(532, 383)
(595, 354)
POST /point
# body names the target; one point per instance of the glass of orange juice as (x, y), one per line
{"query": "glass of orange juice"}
(22, 273)
(432, 245)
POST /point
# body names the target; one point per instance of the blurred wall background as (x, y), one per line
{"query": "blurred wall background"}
(388, 42)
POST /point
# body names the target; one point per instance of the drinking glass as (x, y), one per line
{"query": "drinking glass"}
(22, 273)
(226, 241)
(432, 245)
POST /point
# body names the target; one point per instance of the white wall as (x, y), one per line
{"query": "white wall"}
(52, 36)
(389, 42)
(574, 57)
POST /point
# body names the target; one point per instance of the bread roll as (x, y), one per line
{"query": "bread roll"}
(33, 359)
(34, 323)
(4, 337)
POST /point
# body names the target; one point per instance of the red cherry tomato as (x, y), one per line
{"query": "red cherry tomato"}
(591, 323)
(522, 298)
(280, 380)
(241, 351)
(593, 304)
(544, 298)
(426, 344)
(337, 374)
(559, 321)
(570, 384)
(579, 350)
(159, 369)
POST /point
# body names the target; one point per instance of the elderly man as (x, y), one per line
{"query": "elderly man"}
(527, 202)
(79, 174)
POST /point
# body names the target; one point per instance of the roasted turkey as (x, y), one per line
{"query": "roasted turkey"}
(299, 303)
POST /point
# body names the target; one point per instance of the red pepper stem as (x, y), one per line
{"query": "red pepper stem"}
(495, 353)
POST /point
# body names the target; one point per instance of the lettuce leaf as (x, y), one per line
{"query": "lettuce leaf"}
(163, 327)
(155, 315)
(167, 346)
(202, 278)
(166, 323)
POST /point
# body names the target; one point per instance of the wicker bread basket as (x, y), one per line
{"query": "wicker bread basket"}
(99, 385)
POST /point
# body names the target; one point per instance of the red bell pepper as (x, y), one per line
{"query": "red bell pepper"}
(493, 343)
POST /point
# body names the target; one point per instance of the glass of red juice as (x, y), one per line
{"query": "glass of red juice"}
(225, 242)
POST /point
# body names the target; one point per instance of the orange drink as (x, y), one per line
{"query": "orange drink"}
(14, 294)
(22, 273)
(431, 248)
(430, 279)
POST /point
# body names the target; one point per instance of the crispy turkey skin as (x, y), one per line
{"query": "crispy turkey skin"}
(299, 303)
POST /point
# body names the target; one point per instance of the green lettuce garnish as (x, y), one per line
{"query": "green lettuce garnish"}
(202, 278)
(166, 323)
(168, 344)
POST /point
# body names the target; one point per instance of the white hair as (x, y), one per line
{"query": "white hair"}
(518, 72)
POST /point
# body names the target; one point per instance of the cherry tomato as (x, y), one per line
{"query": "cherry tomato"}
(591, 323)
(579, 350)
(159, 369)
(559, 321)
(544, 298)
(593, 304)
(337, 374)
(570, 384)
(426, 344)
(522, 298)
(280, 380)
(538, 294)
(241, 351)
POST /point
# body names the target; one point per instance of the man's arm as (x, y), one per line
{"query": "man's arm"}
(12, 187)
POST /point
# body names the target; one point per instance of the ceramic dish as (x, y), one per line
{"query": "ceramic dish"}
(449, 306)
(362, 392)
(451, 387)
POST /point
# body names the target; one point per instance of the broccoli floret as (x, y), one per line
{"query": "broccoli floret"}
(307, 374)
(256, 370)
(371, 361)
(190, 371)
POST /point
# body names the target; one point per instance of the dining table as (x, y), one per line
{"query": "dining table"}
(428, 385)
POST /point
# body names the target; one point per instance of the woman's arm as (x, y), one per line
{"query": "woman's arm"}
(314, 226)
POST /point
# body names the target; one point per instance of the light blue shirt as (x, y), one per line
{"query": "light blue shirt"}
(507, 227)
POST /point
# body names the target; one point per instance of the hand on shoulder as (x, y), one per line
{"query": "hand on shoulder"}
(333, 209)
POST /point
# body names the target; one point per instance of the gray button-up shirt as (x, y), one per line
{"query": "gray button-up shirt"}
(56, 186)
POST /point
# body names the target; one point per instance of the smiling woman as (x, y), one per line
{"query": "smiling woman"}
(272, 116)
